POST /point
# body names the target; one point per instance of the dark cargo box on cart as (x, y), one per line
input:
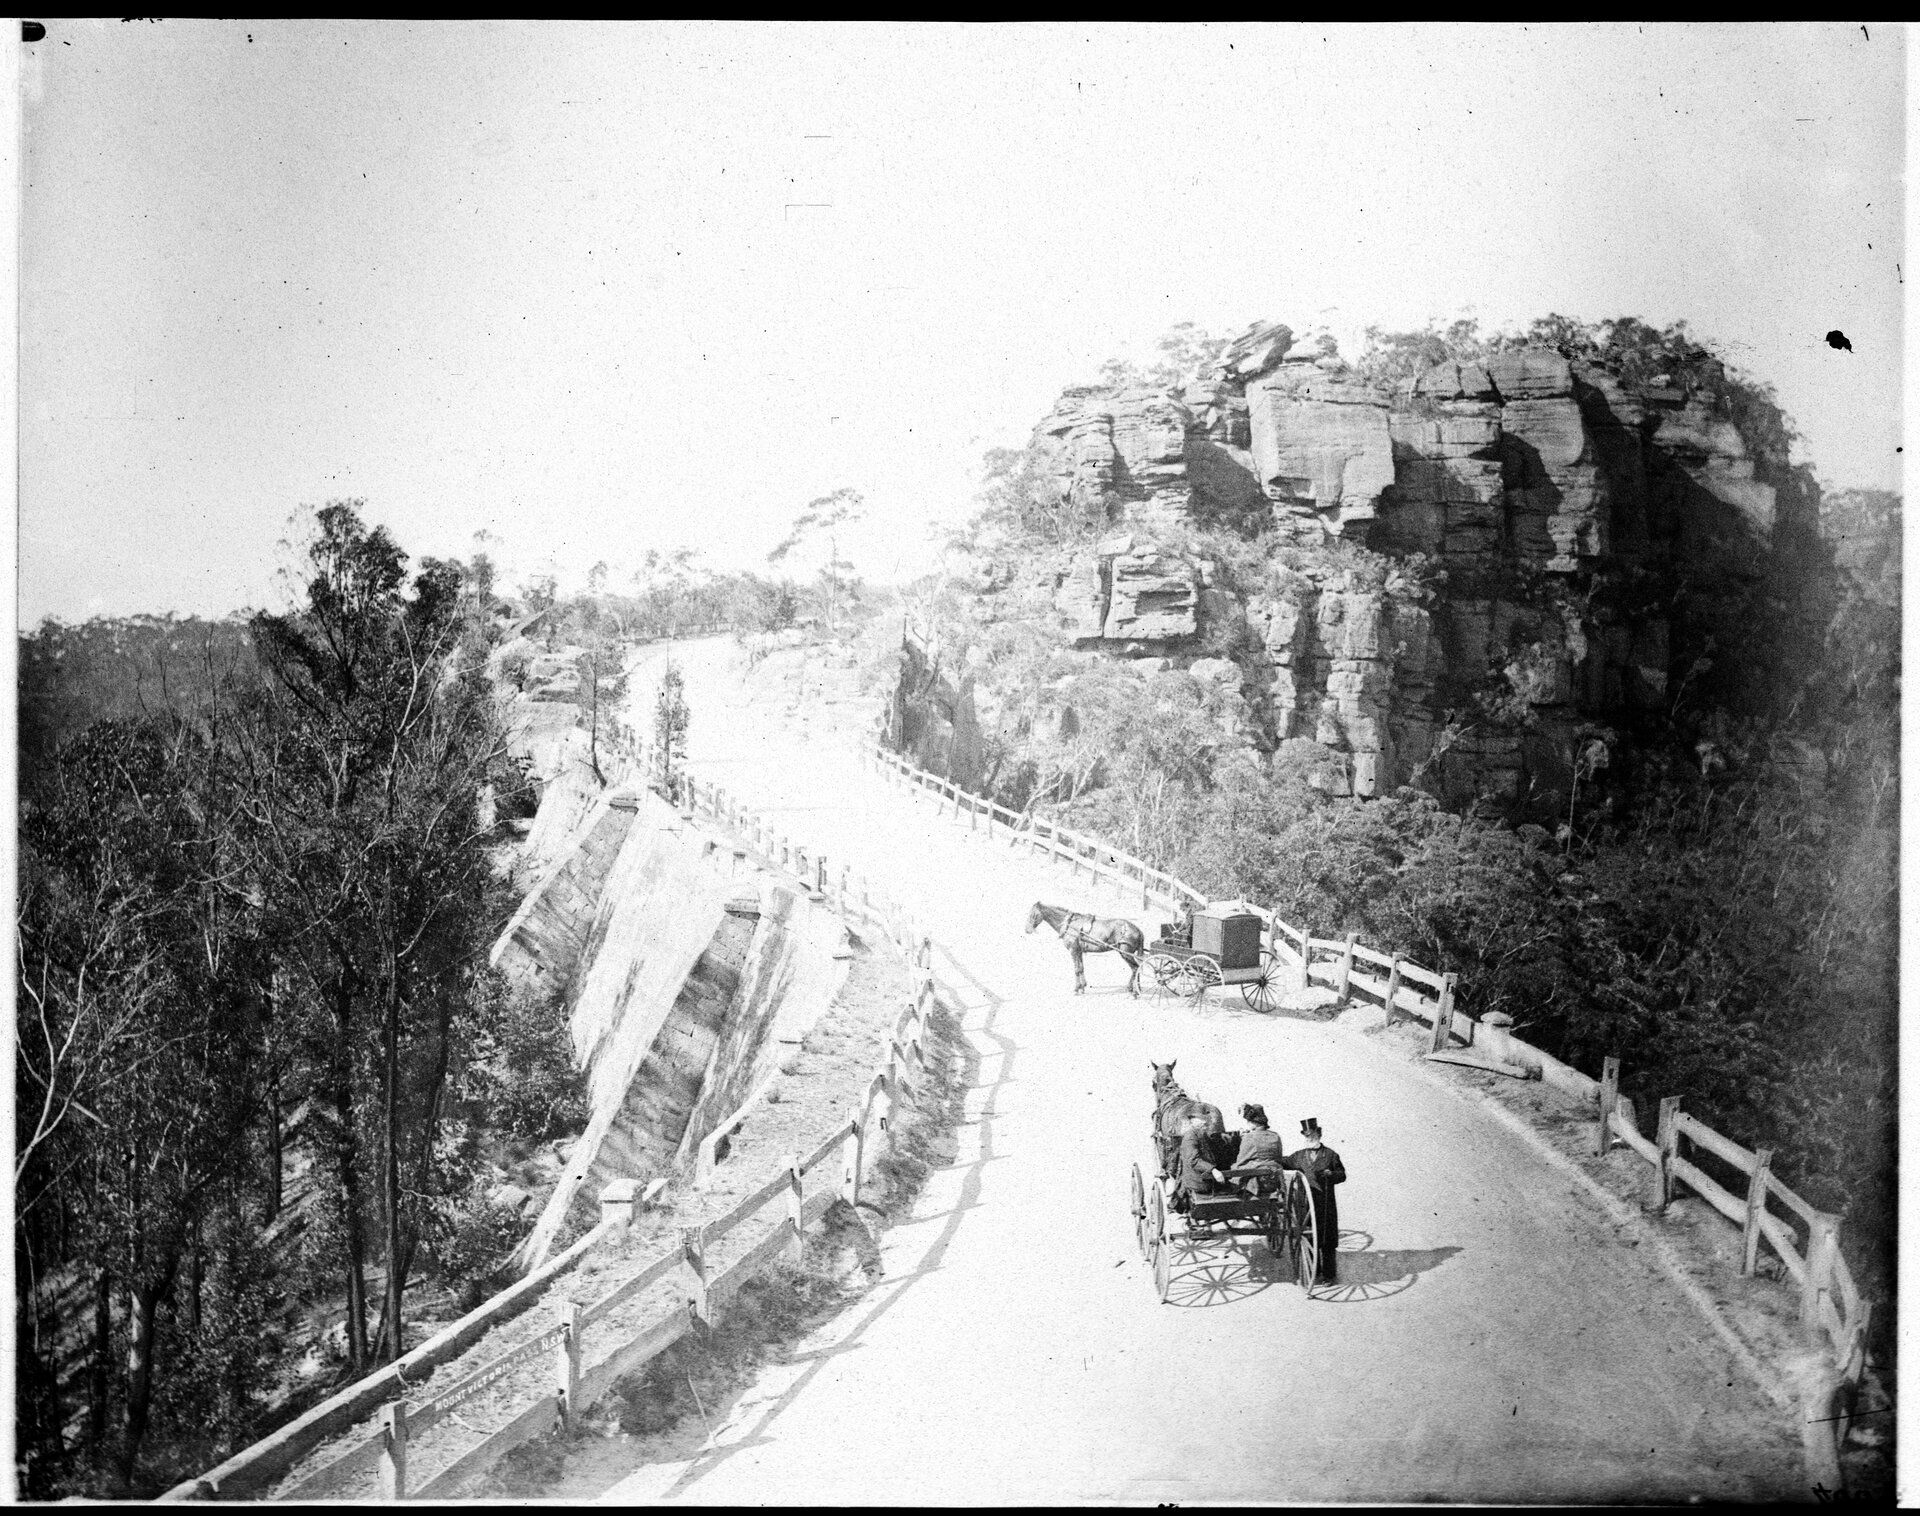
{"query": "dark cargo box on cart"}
(1231, 937)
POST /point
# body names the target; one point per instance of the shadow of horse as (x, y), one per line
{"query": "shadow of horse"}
(1370, 1273)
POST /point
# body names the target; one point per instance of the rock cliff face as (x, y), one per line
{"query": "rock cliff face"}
(1534, 514)
(680, 978)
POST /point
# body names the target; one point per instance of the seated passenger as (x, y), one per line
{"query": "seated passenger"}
(1260, 1146)
(1198, 1173)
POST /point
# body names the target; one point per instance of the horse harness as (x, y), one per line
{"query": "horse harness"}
(1079, 936)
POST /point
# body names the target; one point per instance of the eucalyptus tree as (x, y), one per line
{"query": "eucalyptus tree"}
(367, 749)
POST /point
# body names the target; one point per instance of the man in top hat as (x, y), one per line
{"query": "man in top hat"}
(1323, 1170)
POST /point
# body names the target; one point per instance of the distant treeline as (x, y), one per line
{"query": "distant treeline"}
(671, 592)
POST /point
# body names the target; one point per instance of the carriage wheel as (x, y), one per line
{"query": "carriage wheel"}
(1302, 1223)
(1277, 1224)
(1139, 1212)
(1202, 974)
(1165, 968)
(1162, 1247)
(1262, 994)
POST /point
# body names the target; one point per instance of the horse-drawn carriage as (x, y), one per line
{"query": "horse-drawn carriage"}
(1218, 945)
(1282, 1215)
(1277, 1202)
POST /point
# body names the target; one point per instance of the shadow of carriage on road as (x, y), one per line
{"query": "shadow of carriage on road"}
(1370, 1273)
(1219, 1267)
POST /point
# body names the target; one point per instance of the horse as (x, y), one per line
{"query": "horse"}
(1176, 1113)
(1084, 932)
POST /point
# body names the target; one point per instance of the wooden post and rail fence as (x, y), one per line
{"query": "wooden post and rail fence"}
(1805, 1239)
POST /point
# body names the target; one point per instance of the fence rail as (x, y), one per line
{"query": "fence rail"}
(1831, 1305)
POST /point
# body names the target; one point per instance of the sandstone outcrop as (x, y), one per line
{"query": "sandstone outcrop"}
(1548, 490)
(1321, 446)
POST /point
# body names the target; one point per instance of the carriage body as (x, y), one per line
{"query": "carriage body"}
(1231, 939)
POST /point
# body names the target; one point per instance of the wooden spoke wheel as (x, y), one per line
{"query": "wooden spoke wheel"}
(1139, 1212)
(1262, 993)
(1200, 974)
(1303, 1234)
(1165, 968)
(1162, 1255)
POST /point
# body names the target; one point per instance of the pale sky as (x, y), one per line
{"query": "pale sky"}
(597, 289)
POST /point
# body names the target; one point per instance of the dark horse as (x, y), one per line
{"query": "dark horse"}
(1175, 1113)
(1084, 932)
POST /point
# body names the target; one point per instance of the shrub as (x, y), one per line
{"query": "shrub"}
(473, 1255)
(522, 1072)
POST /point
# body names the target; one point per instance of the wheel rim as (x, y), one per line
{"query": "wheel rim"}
(1260, 994)
(1139, 1212)
(1157, 1228)
(1306, 1238)
(1204, 974)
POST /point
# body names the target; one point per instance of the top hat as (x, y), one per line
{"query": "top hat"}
(1310, 1127)
(1255, 1113)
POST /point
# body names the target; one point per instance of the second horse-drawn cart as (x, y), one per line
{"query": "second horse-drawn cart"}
(1218, 945)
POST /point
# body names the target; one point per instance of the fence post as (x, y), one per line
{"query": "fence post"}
(1823, 1241)
(820, 874)
(693, 1250)
(1756, 1208)
(1667, 1140)
(1393, 985)
(1609, 1094)
(1346, 966)
(617, 1203)
(393, 1457)
(856, 1155)
(795, 1213)
(1443, 1013)
(566, 1363)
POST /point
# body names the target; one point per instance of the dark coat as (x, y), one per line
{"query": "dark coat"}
(1197, 1163)
(1323, 1170)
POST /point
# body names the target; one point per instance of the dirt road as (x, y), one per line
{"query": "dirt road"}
(1494, 1336)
